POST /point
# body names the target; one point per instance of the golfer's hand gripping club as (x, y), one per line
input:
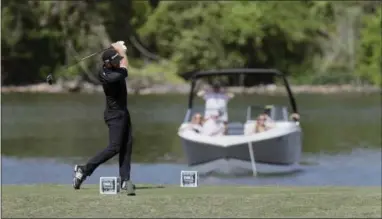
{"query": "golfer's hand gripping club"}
(119, 46)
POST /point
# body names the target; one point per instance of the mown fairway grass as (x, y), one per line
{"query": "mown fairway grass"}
(205, 201)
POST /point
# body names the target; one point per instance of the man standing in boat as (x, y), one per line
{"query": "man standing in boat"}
(116, 116)
(216, 99)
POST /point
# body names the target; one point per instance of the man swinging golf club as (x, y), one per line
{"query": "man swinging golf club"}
(117, 118)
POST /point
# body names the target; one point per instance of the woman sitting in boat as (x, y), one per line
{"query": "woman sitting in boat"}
(262, 124)
(295, 116)
(267, 114)
(212, 125)
(195, 125)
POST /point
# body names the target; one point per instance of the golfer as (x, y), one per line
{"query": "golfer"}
(117, 118)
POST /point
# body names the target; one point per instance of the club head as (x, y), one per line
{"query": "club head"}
(49, 79)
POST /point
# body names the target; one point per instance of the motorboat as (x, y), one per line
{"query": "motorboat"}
(241, 147)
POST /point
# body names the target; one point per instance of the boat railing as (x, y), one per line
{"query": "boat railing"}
(188, 116)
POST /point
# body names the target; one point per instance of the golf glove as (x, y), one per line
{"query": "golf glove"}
(122, 43)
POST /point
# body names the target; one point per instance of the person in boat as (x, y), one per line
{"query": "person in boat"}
(195, 125)
(267, 114)
(261, 125)
(270, 122)
(216, 99)
(213, 126)
(295, 116)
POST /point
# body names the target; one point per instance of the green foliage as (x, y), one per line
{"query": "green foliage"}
(162, 72)
(369, 56)
(302, 39)
(199, 35)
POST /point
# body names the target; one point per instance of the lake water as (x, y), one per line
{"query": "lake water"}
(44, 135)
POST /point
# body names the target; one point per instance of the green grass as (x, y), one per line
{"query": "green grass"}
(204, 201)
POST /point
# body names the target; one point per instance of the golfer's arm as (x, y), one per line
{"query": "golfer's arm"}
(124, 62)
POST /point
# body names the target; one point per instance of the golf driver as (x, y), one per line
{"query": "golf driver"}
(49, 78)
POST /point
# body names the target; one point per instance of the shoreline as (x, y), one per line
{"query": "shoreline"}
(71, 87)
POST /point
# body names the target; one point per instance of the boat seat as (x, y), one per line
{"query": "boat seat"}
(235, 128)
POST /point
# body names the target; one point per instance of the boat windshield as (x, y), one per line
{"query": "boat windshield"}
(275, 112)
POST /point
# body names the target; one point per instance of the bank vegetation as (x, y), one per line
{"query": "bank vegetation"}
(314, 42)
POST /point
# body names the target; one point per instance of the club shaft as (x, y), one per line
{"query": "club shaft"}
(86, 57)
(50, 77)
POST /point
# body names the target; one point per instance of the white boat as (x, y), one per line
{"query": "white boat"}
(240, 148)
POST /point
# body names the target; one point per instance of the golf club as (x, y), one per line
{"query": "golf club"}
(49, 78)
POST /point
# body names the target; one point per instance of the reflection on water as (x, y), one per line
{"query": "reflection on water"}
(43, 135)
(359, 168)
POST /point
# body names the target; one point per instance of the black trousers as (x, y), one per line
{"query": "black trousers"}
(120, 141)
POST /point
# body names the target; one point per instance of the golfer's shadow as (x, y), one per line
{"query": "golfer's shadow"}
(138, 187)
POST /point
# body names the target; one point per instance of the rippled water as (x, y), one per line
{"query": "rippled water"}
(43, 135)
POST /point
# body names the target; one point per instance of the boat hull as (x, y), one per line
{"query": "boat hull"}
(281, 150)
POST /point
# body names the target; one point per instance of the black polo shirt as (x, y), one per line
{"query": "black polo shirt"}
(114, 87)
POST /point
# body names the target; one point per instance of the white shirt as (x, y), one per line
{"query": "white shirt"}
(212, 128)
(216, 101)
